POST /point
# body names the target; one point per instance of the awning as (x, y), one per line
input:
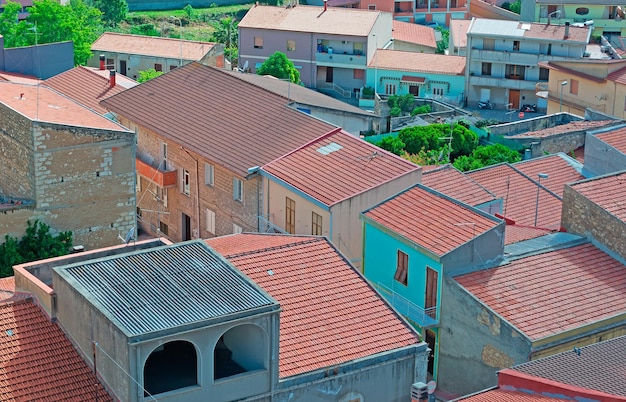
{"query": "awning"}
(413, 80)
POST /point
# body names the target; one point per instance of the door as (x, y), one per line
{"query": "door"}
(431, 340)
(186, 227)
(485, 94)
(122, 67)
(414, 90)
(431, 292)
(329, 74)
(514, 99)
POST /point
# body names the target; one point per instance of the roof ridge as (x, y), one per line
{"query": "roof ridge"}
(266, 249)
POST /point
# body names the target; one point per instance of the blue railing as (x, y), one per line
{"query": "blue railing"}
(423, 317)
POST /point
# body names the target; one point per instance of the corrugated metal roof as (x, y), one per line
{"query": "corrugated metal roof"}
(167, 287)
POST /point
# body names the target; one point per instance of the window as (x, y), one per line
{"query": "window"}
(209, 174)
(402, 268)
(237, 189)
(486, 69)
(179, 354)
(163, 228)
(390, 89)
(186, 182)
(358, 74)
(290, 215)
(173, 67)
(515, 45)
(438, 91)
(573, 87)
(258, 42)
(162, 195)
(291, 45)
(582, 11)
(514, 72)
(237, 229)
(316, 225)
(210, 221)
(489, 44)
(371, 7)
(158, 66)
(164, 156)
(544, 73)
(138, 184)
(110, 64)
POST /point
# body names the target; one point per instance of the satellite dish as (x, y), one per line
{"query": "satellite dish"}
(130, 235)
(245, 67)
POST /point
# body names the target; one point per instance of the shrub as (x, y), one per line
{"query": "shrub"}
(368, 93)
(420, 110)
(392, 144)
(395, 111)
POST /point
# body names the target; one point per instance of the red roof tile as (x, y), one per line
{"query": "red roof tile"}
(615, 138)
(565, 128)
(37, 361)
(553, 292)
(560, 169)
(453, 183)
(151, 46)
(501, 395)
(330, 314)
(518, 233)
(338, 166)
(459, 30)
(7, 288)
(618, 76)
(385, 59)
(235, 244)
(519, 196)
(84, 86)
(607, 192)
(224, 119)
(430, 220)
(414, 33)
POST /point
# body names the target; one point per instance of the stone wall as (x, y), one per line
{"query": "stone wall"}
(16, 156)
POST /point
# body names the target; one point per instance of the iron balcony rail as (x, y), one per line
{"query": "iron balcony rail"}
(423, 317)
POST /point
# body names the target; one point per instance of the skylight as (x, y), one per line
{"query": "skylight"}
(327, 149)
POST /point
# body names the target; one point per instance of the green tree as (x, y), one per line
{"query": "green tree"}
(148, 74)
(392, 144)
(226, 32)
(442, 44)
(36, 244)
(113, 11)
(516, 6)
(189, 11)
(279, 66)
(486, 156)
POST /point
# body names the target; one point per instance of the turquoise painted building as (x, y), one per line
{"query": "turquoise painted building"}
(425, 75)
(414, 239)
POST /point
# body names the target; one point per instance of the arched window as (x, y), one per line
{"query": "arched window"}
(171, 366)
(240, 349)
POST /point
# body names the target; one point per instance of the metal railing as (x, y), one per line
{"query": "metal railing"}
(331, 86)
(266, 225)
(423, 317)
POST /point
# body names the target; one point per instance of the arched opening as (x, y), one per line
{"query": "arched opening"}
(241, 349)
(171, 366)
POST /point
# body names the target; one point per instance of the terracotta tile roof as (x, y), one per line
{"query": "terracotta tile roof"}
(600, 366)
(7, 288)
(453, 183)
(120, 79)
(519, 196)
(236, 244)
(222, 118)
(618, 76)
(430, 220)
(565, 128)
(553, 292)
(414, 33)
(557, 32)
(19, 78)
(399, 60)
(502, 395)
(37, 361)
(560, 168)
(84, 86)
(515, 29)
(607, 192)
(151, 46)
(517, 233)
(40, 103)
(551, 65)
(353, 322)
(615, 138)
(338, 166)
(311, 19)
(579, 153)
(459, 28)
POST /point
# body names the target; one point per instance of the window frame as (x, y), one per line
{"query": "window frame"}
(402, 268)
(186, 182)
(164, 155)
(209, 217)
(486, 68)
(290, 215)
(573, 86)
(237, 189)
(316, 224)
(158, 67)
(516, 45)
(291, 45)
(209, 174)
(258, 42)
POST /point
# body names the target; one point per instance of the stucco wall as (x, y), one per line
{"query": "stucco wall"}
(600, 157)
(351, 122)
(474, 343)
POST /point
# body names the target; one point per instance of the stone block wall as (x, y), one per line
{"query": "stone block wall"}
(16, 155)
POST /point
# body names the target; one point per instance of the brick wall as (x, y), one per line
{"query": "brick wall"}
(217, 198)
(583, 217)
(16, 155)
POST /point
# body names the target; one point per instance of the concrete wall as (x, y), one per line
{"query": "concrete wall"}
(600, 157)
(42, 61)
(217, 198)
(354, 123)
(488, 9)
(412, 47)
(534, 124)
(484, 250)
(474, 342)
(583, 217)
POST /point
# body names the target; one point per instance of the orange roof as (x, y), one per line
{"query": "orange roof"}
(553, 292)
(37, 361)
(519, 195)
(607, 192)
(330, 314)
(459, 29)
(212, 117)
(7, 288)
(517, 233)
(20, 78)
(615, 138)
(501, 395)
(618, 76)
(40, 103)
(431, 220)
(560, 168)
(385, 59)
(414, 33)
(453, 183)
(338, 166)
(151, 46)
(84, 86)
(311, 19)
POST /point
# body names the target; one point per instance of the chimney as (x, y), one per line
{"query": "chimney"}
(111, 78)
(101, 62)
(566, 30)
(325, 5)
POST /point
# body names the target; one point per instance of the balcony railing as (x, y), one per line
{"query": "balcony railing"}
(159, 177)
(334, 59)
(331, 86)
(423, 317)
(266, 225)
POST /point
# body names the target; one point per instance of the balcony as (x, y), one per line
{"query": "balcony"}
(425, 318)
(505, 57)
(498, 82)
(341, 60)
(267, 226)
(159, 177)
